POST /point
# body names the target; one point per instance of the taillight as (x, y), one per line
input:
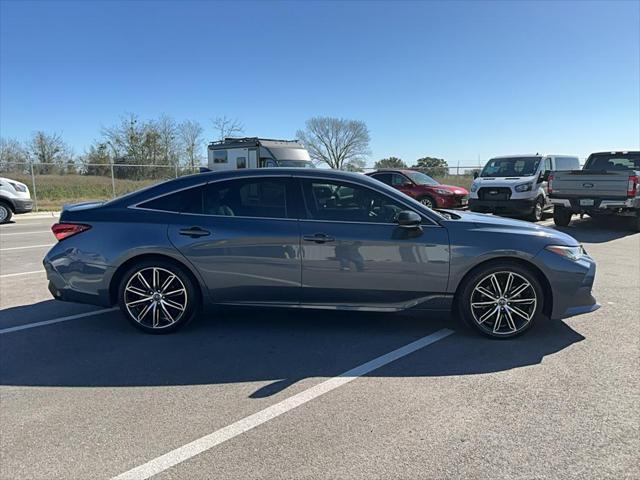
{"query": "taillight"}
(550, 184)
(66, 230)
(632, 188)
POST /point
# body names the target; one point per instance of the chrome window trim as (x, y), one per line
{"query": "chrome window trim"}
(305, 175)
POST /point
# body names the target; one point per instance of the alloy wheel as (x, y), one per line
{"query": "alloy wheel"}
(503, 303)
(427, 202)
(538, 211)
(155, 297)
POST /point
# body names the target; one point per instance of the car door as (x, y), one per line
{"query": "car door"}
(245, 243)
(353, 253)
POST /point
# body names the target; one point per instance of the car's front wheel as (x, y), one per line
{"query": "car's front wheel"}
(5, 212)
(158, 296)
(428, 202)
(501, 300)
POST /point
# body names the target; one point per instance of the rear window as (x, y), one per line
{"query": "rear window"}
(613, 161)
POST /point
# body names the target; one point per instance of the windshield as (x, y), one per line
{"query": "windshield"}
(422, 179)
(296, 163)
(511, 167)
(613, 161)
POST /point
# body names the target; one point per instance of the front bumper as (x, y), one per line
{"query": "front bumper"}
(22, 206)
(453, 201)
(516, 207)
(571, 283)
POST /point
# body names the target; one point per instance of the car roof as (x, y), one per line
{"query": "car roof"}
(396, 170)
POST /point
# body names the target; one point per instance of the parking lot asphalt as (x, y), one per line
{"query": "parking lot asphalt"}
(261, 393)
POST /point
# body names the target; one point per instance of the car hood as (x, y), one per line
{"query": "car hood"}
(450, 188)
(509, 225)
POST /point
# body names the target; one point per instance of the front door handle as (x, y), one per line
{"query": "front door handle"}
(194, 232)
(318, 238)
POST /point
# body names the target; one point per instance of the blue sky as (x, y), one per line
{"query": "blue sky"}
(462, 80)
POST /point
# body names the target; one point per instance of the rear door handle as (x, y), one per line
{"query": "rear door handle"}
(318, 238)
(194, 232)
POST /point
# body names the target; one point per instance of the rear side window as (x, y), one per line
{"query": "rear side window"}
(383, 177)
(184, 201)
(255, 197)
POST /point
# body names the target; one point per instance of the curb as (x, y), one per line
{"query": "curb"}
(26, 216)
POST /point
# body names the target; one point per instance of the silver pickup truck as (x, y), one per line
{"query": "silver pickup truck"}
(606, 185)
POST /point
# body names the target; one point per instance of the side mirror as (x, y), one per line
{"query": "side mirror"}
(475, 175)
(408, 219)
(407, 184)
(544, 176)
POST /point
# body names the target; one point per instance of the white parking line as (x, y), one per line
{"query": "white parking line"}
(202, 444)
(55, 320)
(24, 248)
(7, 275)
(2, 234)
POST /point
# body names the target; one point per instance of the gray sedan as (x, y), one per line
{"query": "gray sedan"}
(310, 239)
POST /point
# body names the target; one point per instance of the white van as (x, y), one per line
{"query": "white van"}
(517, 184)
(14, 198)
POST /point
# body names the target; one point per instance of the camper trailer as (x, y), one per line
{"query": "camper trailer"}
(235, 153)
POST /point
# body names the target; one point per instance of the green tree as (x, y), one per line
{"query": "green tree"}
(391, 162)
(435, 167)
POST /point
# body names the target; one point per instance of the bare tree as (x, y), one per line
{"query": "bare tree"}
(340, 143)
(13, 156)
(227, 127)
(168, 138)
(190, 134)
(51, 150)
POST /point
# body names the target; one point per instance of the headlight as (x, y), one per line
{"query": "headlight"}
(474, 187)
(572, 253)
(18, 187)
(443, 192)
(524, 187)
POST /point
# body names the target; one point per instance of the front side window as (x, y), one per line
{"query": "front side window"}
(399, 180)
(345, 202)
(183, 201)
(547, 164)
(264, 197)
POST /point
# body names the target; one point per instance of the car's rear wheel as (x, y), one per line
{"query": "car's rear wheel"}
(428, 202)
(5, 212)
(501, 300)
(158, 296)
(561, 216)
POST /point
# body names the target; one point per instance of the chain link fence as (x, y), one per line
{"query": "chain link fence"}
(54, 185)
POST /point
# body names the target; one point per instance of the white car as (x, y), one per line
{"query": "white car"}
(14, 198)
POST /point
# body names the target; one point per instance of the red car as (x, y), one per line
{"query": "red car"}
(423, 188)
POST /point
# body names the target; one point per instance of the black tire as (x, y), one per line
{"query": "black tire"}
(561, 216)
(5, 212)
(131, 286)
(428, 202)
(635, 223)
(537, 213)
(505, 316)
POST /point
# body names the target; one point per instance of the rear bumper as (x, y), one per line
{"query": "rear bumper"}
(602, 204)
(22, 206)
(520, 207)
(62, 289)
